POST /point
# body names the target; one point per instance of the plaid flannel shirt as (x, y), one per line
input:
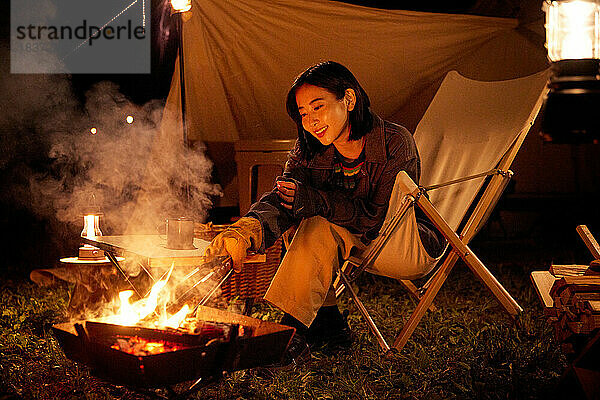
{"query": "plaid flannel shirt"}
(389, 148)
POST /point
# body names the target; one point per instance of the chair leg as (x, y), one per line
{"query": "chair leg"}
(362, 309)
(408, 285)
(506, 300)
(414, 292)
(426, 301)
(469, 257)
(338, 284)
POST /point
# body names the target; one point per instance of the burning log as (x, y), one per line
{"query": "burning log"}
(144, 344)
(142, 347)
(168, 307)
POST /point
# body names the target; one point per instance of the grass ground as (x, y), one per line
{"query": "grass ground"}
(466, 349)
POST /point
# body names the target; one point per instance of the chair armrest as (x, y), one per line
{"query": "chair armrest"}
(406, 184)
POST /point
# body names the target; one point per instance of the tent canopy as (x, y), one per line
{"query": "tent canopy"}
(242, 55)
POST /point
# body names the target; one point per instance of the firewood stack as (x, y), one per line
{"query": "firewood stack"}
(576, 310)
(571, 298)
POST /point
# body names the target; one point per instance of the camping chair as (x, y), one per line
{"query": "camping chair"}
(468, 139)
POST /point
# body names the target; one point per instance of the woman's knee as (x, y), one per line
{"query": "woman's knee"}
(316, 226)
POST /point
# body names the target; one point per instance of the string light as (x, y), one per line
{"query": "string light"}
(111, 20)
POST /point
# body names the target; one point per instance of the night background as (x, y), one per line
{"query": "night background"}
(34, 237)
(49, 165)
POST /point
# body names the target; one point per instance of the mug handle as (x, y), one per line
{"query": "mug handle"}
(158, 230)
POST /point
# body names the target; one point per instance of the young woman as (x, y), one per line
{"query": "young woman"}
(336, 185)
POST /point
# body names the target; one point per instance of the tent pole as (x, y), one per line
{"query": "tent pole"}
(182, 80)
(186, 143)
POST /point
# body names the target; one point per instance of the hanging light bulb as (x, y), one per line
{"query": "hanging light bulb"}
(180, 6)
(573, 43)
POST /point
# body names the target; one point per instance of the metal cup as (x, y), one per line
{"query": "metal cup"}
(180, 233)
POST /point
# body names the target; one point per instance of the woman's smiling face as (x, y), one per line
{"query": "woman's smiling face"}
(323, 115)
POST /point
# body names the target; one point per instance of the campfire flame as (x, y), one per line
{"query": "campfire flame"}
(131, 314)
(175, 320)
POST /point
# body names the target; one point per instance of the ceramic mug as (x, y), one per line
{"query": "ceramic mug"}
(180, 233)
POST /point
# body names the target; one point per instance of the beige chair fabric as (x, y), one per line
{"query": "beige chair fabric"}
(403, 256)
(467, 128)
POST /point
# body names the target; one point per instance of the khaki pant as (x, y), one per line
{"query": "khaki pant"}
(305, 275)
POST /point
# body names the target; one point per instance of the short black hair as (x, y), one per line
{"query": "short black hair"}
(335, 78)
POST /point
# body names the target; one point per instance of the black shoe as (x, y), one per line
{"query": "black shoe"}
(298, 351)
(329, 331)
(296, 354)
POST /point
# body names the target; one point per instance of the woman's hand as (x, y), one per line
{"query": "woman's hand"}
(244, 234)
(287, 193)
(302, 200)
(228, 243)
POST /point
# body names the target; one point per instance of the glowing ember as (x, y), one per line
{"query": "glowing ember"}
(142, 347)
(129, 119)
(93, 131)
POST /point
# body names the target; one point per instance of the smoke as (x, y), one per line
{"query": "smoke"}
(124, 170)
(137, 174)
(55, 169)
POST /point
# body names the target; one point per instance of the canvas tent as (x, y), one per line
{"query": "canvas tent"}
(241, 56)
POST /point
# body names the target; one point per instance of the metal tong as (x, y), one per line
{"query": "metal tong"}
(220, 266)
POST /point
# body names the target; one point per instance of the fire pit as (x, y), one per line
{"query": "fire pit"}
(222, 341)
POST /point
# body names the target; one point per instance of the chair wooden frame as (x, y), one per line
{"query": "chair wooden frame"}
(458, 244)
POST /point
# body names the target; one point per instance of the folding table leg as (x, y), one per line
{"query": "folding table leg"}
(111, 257)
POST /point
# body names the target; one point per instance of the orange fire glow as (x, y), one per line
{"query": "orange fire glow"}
(130, 314)
(141, 347)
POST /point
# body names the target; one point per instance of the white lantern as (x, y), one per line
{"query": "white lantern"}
(91, 225)
(573, 42)
(91, 229)
(572, 29)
